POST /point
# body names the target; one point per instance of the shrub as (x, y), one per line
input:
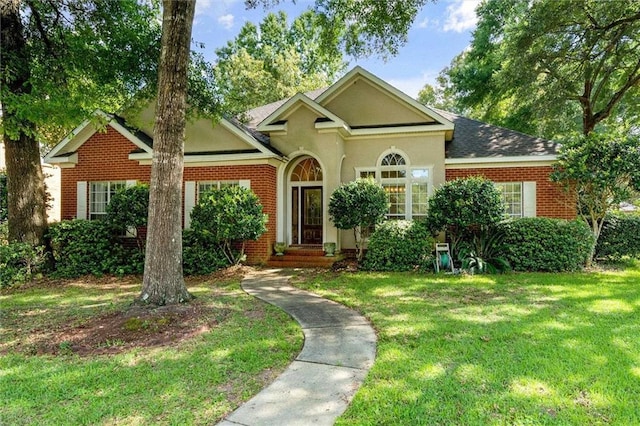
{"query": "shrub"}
(619, 237)
(358, 205)
(229, 217)
(128, 209)
(542, 244)
(465, 207)
(83, 247)
(201, 255)
(485, 252)
(399, 245)
(4, 233)
(19, 262)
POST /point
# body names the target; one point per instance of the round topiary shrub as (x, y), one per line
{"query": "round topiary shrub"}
(399, 245)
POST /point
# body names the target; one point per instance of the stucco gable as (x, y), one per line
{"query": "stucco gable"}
(365, 101)
(277, 120)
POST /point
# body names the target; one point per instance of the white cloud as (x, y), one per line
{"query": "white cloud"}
(426, 23)
(413, 84)
(203, 6)
(461, 16)
(226, 21)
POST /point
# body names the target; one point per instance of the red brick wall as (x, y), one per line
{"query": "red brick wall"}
(105, 157)
(551, 200)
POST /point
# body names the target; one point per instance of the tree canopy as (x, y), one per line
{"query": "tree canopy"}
(550, 67)
(362, 27)
(274, 60)
(603, 170)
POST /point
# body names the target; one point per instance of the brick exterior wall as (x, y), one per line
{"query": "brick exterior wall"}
(105, 157)
(551, 200)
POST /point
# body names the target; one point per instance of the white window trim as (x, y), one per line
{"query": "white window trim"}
(528, 203)
(109, 183)
(407, 180)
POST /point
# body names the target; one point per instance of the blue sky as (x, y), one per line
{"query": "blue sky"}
(441, 31)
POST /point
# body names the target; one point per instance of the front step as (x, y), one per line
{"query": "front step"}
(299, 257)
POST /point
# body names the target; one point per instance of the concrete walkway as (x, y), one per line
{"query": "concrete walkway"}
(317, 387)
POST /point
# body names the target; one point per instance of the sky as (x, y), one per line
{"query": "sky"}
(440, 32)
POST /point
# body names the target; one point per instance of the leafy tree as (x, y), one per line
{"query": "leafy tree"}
(358, 205)
(275, 60)
(229, 217)
(603, 170)
(362, 27)
(552, 66)
(59, 61)
(441, 95)
(163, 281)
(464, 206)
(128, 209)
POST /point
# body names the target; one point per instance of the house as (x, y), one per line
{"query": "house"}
(295, 152)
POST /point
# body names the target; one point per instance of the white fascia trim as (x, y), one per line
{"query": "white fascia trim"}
(291, 105)
(399, 130)
(271, 128)
(499, 161)
(337, 87)
(130, 136)
(146, 158)
(71, 159)
(244, 136)
(64, 142)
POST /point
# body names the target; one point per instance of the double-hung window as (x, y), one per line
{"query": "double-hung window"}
(208, 186)
(519, 198)
(100, 194)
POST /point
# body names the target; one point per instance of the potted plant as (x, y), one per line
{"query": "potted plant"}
(329, 249)
(279, 248)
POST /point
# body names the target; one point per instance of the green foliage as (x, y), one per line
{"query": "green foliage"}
(619, 237)
(358, 205)
(3, 196)
(546, 245)
(4, 233)
(128, 209)
(19, 262)
(70, 62)
(399, 245)
(229, 217)
(83, 247)
(201, 255)
(552, 67)
(603, 170)
(362, 27)
(275, 60)
(465, 206)
(485, 252)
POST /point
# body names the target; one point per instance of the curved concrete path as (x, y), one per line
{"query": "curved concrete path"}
(339, 348)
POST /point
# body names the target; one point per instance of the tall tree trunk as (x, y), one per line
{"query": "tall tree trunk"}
(25, 183)
(163, 281)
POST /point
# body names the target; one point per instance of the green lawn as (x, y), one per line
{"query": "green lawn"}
(492, 350)
(193, 382)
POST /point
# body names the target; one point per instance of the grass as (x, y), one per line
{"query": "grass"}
(557, 349)
(195, 381)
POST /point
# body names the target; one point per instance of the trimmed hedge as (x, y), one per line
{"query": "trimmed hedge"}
(82, 247)
(620, 237)
(399, 245)
(546, 245)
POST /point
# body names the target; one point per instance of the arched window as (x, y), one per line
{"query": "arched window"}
(407, 187)
(308, 170)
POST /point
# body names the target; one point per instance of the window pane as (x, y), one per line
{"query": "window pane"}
(396, 196)
(512, 197)
(419, 198)
(368, 174)
(420, 174)
(393, 159)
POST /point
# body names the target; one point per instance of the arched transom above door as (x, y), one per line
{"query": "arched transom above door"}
(307, 170)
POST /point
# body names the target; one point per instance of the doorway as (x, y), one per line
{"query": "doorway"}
(307, 203)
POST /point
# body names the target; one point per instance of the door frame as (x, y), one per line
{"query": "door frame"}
(288, 195)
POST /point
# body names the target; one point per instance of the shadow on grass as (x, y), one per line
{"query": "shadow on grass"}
(510, 349)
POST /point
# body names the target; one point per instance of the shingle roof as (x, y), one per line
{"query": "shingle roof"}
(258, 114)
(475, 139)
(142, 136)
